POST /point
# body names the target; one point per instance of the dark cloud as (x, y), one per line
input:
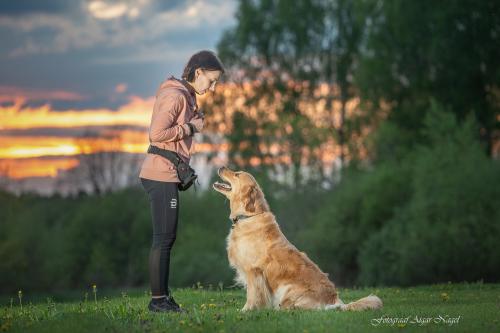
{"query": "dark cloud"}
(81, 54)
(75, 72)
(168, 5)
(19, 7)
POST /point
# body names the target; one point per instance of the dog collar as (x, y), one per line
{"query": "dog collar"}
(237, 218)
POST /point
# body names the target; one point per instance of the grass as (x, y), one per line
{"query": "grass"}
(437, 308)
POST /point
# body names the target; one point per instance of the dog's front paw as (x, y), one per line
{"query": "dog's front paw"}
(246, 308)
(336, 306)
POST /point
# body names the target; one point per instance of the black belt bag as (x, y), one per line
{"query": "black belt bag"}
(185, 173)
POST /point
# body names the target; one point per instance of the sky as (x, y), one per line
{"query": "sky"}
(70, 66)
(82, 54)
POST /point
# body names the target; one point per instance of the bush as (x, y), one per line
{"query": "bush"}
(448, 230)
(351, 214)
(427, 214)
(61, 243)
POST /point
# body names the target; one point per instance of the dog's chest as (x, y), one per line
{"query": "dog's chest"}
(241, 250)
(232, 249)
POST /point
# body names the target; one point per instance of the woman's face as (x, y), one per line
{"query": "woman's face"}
(205, 80)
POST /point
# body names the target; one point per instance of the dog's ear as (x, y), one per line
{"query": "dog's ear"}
(249, 195)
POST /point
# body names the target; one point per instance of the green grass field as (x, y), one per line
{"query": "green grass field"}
(445, 307)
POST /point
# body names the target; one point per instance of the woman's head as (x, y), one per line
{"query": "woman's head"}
(202, 71)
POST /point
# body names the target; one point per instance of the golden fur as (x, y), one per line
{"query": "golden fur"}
(274, 273)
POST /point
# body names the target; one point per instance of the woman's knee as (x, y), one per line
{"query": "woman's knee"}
(164, 240)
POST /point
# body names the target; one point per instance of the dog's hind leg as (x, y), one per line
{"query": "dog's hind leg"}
(258, 293)
(370, 302)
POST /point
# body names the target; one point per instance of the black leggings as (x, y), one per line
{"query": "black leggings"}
(164, 199)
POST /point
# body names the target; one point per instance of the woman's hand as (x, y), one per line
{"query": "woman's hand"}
(197, 123)
(199, 114)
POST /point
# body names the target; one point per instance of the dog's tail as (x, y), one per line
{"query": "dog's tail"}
(370, 302)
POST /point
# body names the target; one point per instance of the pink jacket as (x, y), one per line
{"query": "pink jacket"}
(174, 107)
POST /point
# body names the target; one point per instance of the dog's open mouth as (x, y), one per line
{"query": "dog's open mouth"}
(222, 186)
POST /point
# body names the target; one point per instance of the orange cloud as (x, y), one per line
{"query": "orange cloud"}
(35, 167)
(136, 112)
(121, 88)
(19, 147)
(13, 94)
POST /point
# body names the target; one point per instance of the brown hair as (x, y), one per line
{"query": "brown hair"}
(205, 60)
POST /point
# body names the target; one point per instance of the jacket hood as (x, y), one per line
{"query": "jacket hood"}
(173, 82)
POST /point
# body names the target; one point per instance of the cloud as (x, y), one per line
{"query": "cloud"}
(79, 52)
(121, 88)
(196, 14)
(105, 11)
(50, 33)
(136, 112)
(13, 94)
(21, 7)
(114, 25)
(155, 53)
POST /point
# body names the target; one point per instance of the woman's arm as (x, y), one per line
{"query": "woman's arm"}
(162, 128)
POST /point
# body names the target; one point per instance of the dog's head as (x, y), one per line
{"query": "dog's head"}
(243, 192)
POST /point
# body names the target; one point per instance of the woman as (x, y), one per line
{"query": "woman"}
(174, 120)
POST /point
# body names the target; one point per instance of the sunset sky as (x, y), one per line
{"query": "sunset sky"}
(68, 67)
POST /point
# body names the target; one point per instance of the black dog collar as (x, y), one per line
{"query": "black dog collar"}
(237, 218)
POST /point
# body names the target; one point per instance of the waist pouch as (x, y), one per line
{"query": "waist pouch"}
(185, 173)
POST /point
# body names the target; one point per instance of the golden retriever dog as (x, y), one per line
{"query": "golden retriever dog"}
(274, 273)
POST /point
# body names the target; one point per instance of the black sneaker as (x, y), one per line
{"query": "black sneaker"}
(165, 304)
(172, 301)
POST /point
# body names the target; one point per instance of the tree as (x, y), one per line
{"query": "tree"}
(415, 51)
(4, 176)
(294, 50)
(104, 165)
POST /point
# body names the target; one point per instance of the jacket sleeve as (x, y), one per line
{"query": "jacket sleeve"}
(165, 113)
